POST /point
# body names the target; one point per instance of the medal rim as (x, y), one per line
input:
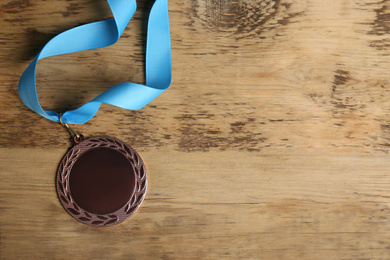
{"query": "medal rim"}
(107, 219)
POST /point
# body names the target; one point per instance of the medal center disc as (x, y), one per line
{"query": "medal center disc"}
(102, 180)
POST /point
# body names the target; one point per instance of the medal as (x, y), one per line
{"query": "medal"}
(102, 181)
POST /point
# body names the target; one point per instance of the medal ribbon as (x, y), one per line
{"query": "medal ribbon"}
(100, 34)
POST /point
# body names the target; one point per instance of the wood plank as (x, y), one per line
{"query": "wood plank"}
(241, 206)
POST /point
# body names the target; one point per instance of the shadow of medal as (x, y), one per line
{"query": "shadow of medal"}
(101, 181)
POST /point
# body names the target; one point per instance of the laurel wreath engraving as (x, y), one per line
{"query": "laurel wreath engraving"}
(124, 212)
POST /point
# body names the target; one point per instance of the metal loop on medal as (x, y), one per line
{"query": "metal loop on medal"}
(75, 137)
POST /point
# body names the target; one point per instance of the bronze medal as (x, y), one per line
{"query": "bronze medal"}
(101, 181)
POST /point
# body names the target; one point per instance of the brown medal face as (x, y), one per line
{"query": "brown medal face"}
(101, 181)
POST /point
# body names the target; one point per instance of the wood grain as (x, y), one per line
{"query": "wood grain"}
(272, 142)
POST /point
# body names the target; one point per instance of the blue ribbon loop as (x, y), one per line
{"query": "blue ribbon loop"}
(102, 34)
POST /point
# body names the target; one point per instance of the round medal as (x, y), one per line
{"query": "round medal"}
(101, 181)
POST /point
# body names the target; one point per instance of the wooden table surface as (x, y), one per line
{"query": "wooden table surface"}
(272, 142)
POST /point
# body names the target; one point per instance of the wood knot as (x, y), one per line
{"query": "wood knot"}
(242, 18)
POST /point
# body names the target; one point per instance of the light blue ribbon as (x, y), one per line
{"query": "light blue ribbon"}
(101, 34)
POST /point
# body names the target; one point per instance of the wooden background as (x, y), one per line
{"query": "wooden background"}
(272, 142)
